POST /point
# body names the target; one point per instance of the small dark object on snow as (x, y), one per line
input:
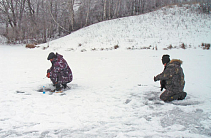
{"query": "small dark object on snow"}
(20, 92)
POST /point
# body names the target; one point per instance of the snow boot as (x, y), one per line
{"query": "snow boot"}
(58, 87)
(182, 95)
(64, 86)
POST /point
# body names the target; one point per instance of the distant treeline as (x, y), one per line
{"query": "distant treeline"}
(37, 21)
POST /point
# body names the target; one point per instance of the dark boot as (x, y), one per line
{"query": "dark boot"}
(58, 87)
(182, 95)
(64, 86)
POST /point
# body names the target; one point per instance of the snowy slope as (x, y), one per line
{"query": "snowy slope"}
(167, 26)
(113, 94)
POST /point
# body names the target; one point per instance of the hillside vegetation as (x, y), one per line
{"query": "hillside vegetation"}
(166, 28)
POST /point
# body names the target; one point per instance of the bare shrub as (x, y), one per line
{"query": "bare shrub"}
(156, 48)
(44, 48)
(116, 47)
(70, 49)
(183, 46)
(145, 47)
(170, 46)
(205, 46)
(94, 49)
(30, 46)
(83, 50)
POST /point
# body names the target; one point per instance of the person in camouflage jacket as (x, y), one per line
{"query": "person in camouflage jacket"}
(172, 79)
(60, 72)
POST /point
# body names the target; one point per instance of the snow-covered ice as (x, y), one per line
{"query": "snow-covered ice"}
(113, 94)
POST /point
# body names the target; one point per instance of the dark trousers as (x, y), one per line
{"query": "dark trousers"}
(168, 96)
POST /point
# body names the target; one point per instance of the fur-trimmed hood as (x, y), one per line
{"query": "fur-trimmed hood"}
(176, 61)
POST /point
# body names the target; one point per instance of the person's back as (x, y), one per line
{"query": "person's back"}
(176, 80)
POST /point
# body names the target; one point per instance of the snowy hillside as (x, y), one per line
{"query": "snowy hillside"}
(113, 94)
(167, 26)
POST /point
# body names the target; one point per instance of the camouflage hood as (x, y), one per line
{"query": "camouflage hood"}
(176, 61)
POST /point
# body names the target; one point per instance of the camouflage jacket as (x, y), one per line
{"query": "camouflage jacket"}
(173, 75)
(60, 71)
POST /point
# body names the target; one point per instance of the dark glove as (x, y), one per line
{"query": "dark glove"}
(48, 75)
(163, 84)
(155, 79)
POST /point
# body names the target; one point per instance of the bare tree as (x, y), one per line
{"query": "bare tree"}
(13, 13)
(31, 12)
(117, 8)
(104, 9)
(88, 11)
(27, 20)
(71, 12)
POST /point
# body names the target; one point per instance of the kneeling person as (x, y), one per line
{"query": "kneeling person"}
(172, 79)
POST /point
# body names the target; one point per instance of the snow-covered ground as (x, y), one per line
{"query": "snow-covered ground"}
(113, 94)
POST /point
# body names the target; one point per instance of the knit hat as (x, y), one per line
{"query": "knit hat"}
(165, 59)
(51, 56)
